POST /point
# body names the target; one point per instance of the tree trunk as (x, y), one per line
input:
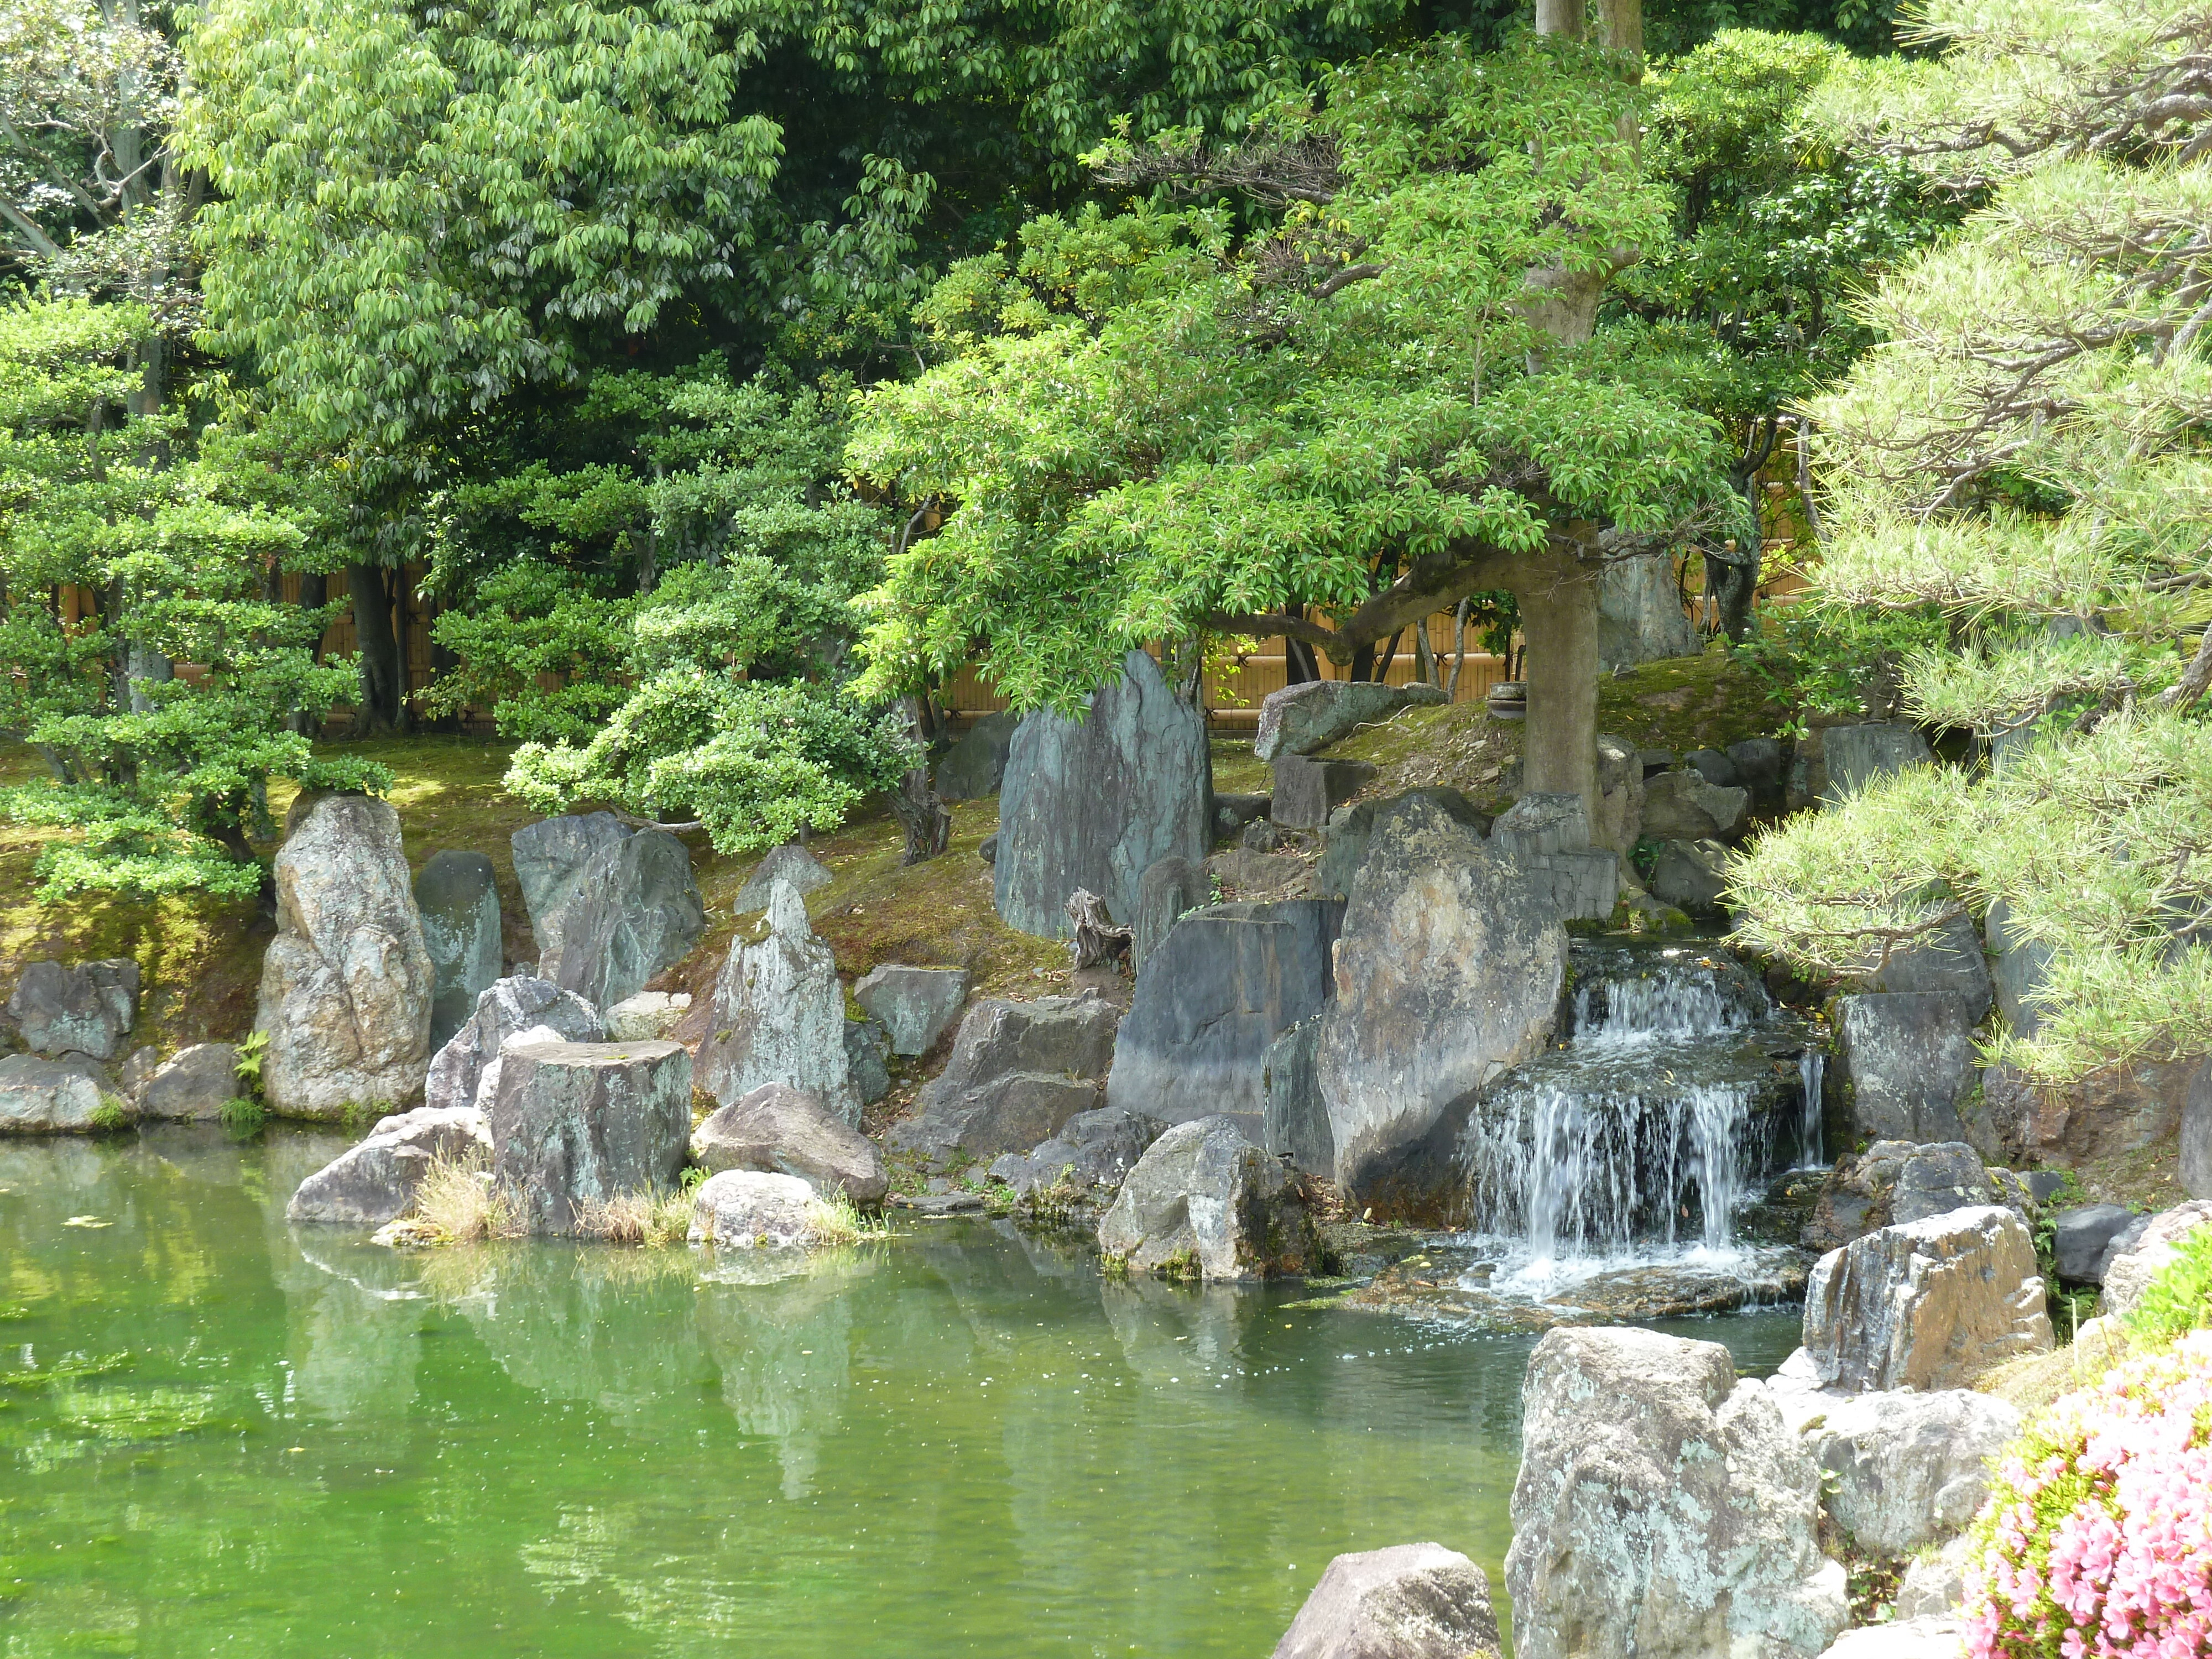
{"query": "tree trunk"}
(379, 647)
(1559, 619)
(916, 804)
(1561, 17)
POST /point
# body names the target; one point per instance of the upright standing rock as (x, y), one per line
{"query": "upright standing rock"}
(634, 911)
(974, 766)
(1907, 1063)
(549, 860)
(1095, 805)
(458, 894)
(88, 1009)
(1640, 615)
(576, 1123)
(1448, 972)
(1019, 1071)
(1855, 756)
(346, 986)
(1413, 1601)
(465, 1071)
(780, 1016)
(790, 862)
(1169, 887)
(2197, 1134)
(1296, 1122)
(1664, 1511)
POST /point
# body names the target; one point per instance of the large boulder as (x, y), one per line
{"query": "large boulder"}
(1019, 1071)
(2082, 1240)
(868, 1059)
(1946, 962)
(458, 895)
(579, 1123)
(2146, 1255)
(346, 983)
(1345, 840)
(1905, 1469)
(1307, 718)
(88, 1009)
(1681, 805)
(1448, 971)
(1294, 1124)
(1640, 615)
(632, 909)
(1690, 875)
(1094, 1151)
(1548, 836)
(1855, 756)
(465, 1071)
(41, 1096)
(1096, 805)
(790, 862)
(1905, 1064)
(1226, 983)
(1926, 1304)
(1308, 790)
(1205, 1202)
(915, 1004)
(377, 1181)
(748, 1209)
(784, 1130)
(1168, 889)
(1664, 1511)
(1895, 1181)
(974, 766)
(192, 1085)
(778, 1016)
(2114, 1112)
(1411, 1601)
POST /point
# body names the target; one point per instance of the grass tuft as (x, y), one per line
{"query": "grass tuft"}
(456, 1203)
(637, 1218)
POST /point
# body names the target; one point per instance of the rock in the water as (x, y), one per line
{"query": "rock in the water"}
(784, 1130)
(346, 985)
(1095, 805)
(633, 910)
(1926, 1304)
(1932, 1638)
(1681, 805)
(974, 766)
(749, 1209)
(1907, 1469)
(1906, 1063)
(1169, 888)
(1446, 973)
(1663, 1509)
(1095, 1151)
(1294, 1124)
(39, 1097)
(1307, 718)
(137, 1071)
(1411, 1601)
(193, 1084)
(2131, 1269)
(1690, 875)
(1018, 1072)
(2083, 1237)
(1205, 1202)
(1226, 983)
(1855, 756)
(579, 1123)
(376, 1182)
(465, 1071)
(85, 1010)
(916, 1005)
(1307, 790)
(1345, 841)
(780, 1016)
(792, 863)
(457, 893)
(867, 1059)
(648, 1014)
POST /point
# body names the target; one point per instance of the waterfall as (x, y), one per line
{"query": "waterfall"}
(1812, 1068)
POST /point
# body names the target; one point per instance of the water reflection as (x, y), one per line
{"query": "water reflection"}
(785, 1351)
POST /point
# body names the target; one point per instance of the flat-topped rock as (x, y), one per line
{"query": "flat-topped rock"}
(41, 1097)
(1307, 718)
(465, 1071)
(576, 1123)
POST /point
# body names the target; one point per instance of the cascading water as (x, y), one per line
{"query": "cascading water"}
(1678, 1087)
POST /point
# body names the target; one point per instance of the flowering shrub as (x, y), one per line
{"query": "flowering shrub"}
(2097, 1539)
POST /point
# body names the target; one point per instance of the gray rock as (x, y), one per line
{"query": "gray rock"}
(1244, 873)
(1548, 836)
(787, 1131)
(1681, 805)
(1224, 984)
(85, 1010)
(1938, 1179)
(2119, 1111)
(1947, 962)
(137, 1070)
(2044, 1185)
(633, 910)
(1907, 1469)
(1905, 1064)
(1898, 1180)
(1345, 838)
(457, 893)
(916, 1005)
(465, 1071)
(1926, 1304)
(974, 766)
(1095, 1150)
(576, 1123)
(1760, 766)
(1655, 760)
(792, 863)
(1714, 767)
(2018, 966)
(2195, 1135)
(1411, 1601)
(1937, 1637)
(867, 1059)
(1936, 1582)
(1307, 790)
(748, 1209)
(1664, 1509)
(1095, 805)
(377, 1181)
(1640, 617)
(1690, 875)
(1855, 756)
(1307, 718)
(346, 985)
(778, 1016)
(2081, 1238)
(988, 849)
(1538, 824)
(1296, 1122)
(550, 856)
(1619, 804)
(1018, 1072)
(647, 1015)
(1169, 887)
(192, 1085)
(1204, 1201)
(41, 1096)
(1446, 973)
(1267, 836)
(2131, 1269)
(1232, 812)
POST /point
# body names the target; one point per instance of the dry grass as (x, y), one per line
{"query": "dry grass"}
(457, 1205)
(658, 1218)
(2037, 1380)
(839, 1221)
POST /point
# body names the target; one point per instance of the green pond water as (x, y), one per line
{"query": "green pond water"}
(219, 1435)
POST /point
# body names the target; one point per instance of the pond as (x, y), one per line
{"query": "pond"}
(221, 1434)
